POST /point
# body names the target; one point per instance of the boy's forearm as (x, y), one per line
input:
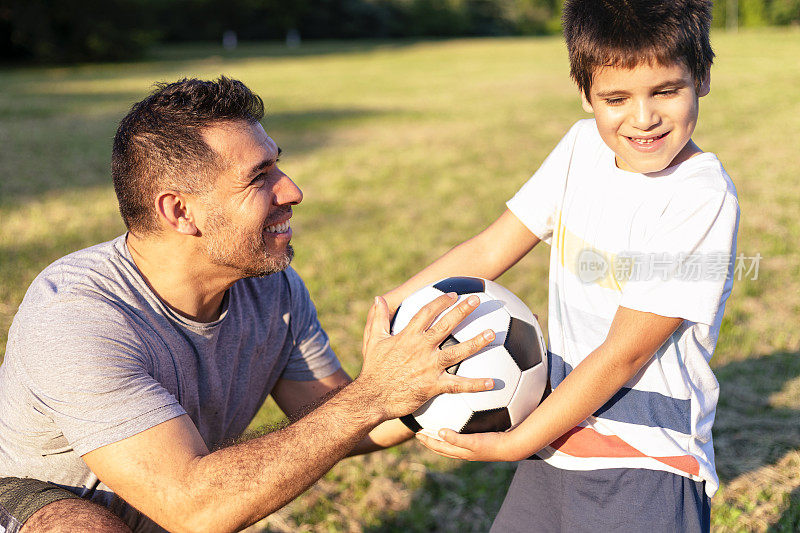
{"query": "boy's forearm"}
(486, 255)
(587, 388)
(385, 435)
(634, 338)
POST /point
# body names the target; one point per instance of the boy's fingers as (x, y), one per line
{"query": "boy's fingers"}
(378, 319)
(443, 448)
(462, 350)
(453, 318)
(424, 317)
(456, 439)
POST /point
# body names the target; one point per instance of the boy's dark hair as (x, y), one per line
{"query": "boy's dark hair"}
(159, 144)
(625, 33)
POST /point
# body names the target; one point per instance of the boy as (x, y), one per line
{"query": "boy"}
(642, 226)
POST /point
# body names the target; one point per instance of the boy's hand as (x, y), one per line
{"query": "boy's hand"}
(476, 446)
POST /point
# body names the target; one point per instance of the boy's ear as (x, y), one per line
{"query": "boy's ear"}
(586, 104)
(705, 86)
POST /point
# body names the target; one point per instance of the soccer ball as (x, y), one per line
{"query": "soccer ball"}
(516, 359)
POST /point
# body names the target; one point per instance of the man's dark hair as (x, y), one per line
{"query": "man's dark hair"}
(626, 33)
(159, 144)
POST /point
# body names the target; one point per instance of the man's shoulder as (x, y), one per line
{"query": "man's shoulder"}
(79, 269)
(78, 282)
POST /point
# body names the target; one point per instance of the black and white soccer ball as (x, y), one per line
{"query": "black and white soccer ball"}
(516, 359)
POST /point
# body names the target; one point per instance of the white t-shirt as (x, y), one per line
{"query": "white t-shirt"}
(663, 243)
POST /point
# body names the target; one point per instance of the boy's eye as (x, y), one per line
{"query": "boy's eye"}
(667, 92)
(614, 101)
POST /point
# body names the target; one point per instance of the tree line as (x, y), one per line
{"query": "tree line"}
(86, 30)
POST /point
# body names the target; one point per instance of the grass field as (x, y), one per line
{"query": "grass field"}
(402, 150)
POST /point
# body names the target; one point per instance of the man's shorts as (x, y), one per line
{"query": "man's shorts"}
(20, 498)
(545, 499)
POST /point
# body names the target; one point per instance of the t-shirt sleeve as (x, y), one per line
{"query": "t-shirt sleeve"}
(312, 356)
(684, 269)
(87, 371)
(536, 203)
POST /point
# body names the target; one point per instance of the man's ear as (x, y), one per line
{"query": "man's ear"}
(174, 211)
(705, 85)
(586, 104)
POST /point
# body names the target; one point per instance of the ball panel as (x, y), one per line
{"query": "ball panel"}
(443, 411)
(460, 285)
(524, 343)
(489, 314)
(411, 306)
(531, 387)
(411, 423)
(515, 307)
(489, 420)
(495, 363)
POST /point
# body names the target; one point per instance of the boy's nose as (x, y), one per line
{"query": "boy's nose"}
(286, 192)
(645, 116)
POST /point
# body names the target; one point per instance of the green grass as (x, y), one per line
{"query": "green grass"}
(403, 149)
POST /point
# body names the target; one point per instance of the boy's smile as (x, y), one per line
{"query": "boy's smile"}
(646, 114)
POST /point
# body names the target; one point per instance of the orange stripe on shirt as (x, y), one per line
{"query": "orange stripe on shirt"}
(586, 442)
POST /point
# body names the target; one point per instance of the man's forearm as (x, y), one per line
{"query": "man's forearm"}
(236, 486)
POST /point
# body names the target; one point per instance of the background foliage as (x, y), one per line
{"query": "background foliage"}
(80, 30)
(402, 149)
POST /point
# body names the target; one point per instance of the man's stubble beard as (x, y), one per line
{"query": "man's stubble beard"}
(246, 253)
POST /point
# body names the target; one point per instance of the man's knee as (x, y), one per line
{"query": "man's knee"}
(72, 515)
(32, 505)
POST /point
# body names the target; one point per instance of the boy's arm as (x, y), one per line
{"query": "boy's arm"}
(486, 255)
(632, 340)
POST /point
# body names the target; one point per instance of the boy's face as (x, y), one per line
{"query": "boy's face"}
(646, 114)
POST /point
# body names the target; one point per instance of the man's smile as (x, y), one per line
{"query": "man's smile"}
(281, 227)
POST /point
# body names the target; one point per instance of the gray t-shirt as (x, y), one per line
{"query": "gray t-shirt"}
(94, 357)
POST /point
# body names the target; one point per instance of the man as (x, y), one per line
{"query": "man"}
(130, 361)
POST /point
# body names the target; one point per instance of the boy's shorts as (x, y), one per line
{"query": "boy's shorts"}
(20, 498)
(546, 499)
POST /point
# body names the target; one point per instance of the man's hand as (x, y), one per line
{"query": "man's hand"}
(403, 371)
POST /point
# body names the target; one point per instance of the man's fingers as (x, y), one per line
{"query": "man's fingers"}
(426, 315)
(462, 350)
(455, 384)
(449, 321)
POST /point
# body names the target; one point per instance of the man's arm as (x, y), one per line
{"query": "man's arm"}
(167, 472)
(632, 340)
(296, 398)
(486, 255)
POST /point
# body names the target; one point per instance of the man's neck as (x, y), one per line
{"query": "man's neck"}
(190, 286)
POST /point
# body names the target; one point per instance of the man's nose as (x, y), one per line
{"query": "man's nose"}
(645, 115)
(286, 192)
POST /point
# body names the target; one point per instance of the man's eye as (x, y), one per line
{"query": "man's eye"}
(260, 177)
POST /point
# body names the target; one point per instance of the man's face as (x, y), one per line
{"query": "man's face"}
(646, 114)
(246, 223)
